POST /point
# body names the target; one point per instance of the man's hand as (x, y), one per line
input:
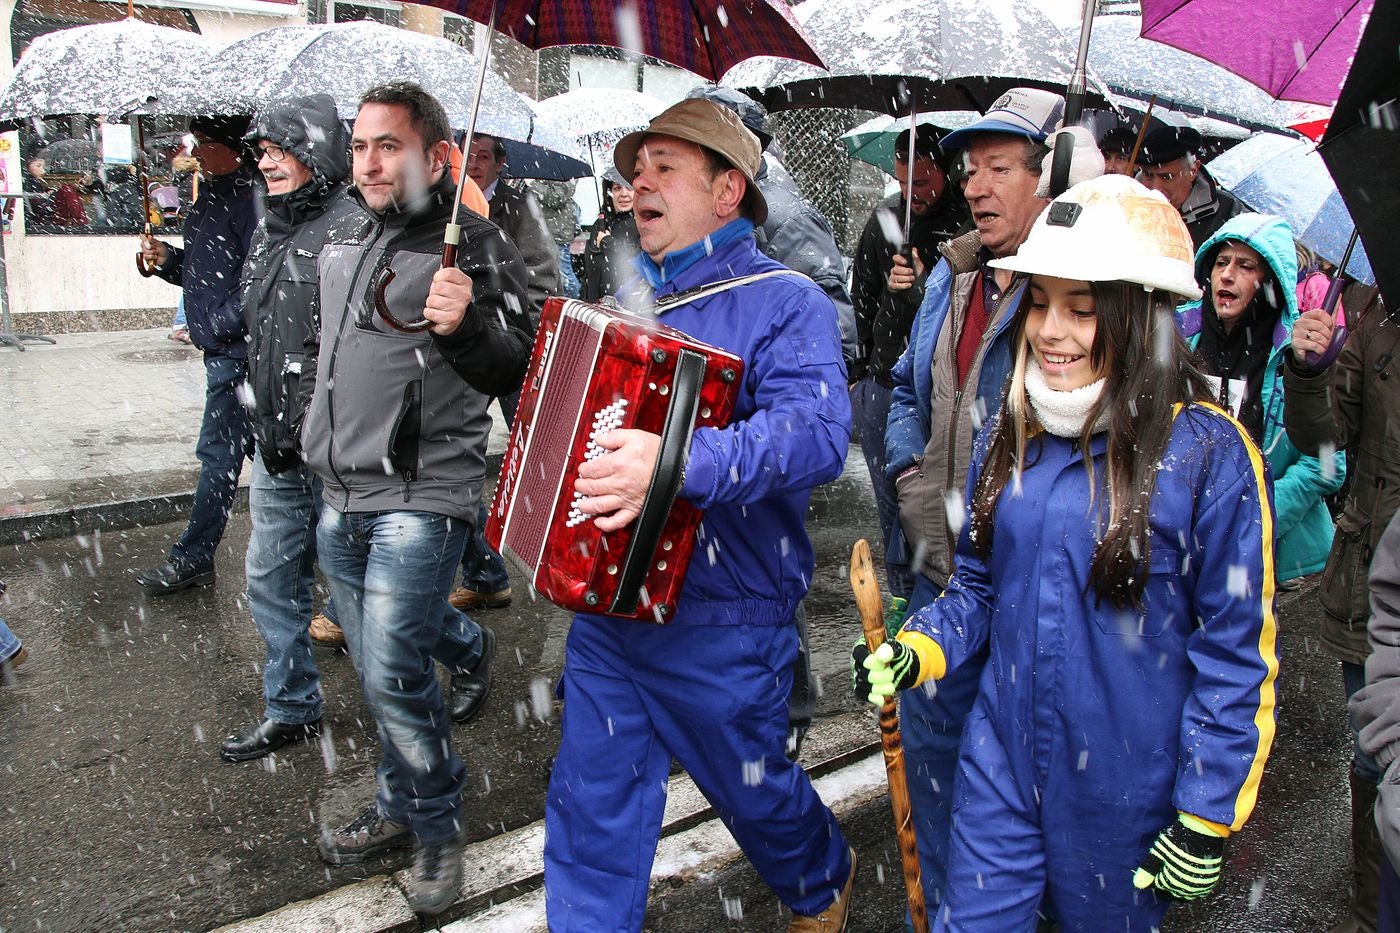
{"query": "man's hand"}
(153, 251)
(902, 275)
(1312, 332)
(448, 300)
(877, 675)
(1184, 861)
(615, 484)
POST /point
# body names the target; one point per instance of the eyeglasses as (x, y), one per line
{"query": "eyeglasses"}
(275, 153)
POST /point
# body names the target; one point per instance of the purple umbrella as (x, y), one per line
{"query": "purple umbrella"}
(1294, 49)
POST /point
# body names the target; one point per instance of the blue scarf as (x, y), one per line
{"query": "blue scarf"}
(673, 264)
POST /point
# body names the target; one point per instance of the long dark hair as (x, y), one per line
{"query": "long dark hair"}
(1148, 371)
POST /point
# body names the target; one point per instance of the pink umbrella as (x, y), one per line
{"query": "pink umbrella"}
(1294, 49)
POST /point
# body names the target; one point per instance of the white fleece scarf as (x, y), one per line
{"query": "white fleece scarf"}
(1062, 411)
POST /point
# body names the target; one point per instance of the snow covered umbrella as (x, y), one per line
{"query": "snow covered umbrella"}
(1286, 177)
(95, 69)
(600, 116)
(345, 60)
(1136, 67)
(939, 55)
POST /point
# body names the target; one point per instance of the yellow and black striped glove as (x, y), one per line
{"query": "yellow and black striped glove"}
(877, 675)
(1184, 861)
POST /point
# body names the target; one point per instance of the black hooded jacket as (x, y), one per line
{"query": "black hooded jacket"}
(280, 278)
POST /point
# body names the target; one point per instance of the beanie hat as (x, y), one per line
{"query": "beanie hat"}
(226, 130)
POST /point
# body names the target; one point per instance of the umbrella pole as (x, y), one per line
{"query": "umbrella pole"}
(909, 198)
(1074, 103)
(1320, 361)
(143, 182)
(1142, 131)
(452, 236)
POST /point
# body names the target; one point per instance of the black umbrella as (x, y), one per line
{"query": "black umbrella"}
(70, 156)
(1362, 146)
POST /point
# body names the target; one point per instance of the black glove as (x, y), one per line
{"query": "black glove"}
(877, 675)
(1183, 863)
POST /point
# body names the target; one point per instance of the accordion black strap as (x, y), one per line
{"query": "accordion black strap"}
(665, 479)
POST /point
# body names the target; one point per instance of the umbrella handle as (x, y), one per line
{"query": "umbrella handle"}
(141, 267)
(381, 305)
(1313, 360)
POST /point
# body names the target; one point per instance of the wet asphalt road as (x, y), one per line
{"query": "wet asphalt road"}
(120, 816)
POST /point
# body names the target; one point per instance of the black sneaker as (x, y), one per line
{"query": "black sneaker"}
(171, 577)
(436, 876)
(366, 836)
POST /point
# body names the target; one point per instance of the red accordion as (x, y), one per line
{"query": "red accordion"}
(595, 369)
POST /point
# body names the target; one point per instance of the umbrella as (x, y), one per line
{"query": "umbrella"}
(873, 141)
(1362, 146)
(599, 116)
(1134, 67)
(345, 60)
(1294, 49)
(947, 54)
(707, 37)
(1286, 177)
(71, 156)
(95, 69)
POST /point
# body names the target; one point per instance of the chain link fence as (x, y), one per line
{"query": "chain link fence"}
(843, 189)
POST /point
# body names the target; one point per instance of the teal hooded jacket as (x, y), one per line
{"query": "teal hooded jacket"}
(1303, 527)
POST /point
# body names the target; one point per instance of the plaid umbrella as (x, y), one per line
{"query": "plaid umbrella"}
(707, 37)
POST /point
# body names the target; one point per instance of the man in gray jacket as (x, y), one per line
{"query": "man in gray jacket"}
(397, 433)
(301, 146)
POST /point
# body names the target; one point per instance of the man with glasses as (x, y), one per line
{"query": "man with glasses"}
(396, 432)
(1170, 163)
(218, 230)
(302, 150)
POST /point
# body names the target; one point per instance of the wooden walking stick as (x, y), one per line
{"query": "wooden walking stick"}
(867, 592)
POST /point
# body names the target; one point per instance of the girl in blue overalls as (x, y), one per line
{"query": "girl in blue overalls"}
(1118, 561)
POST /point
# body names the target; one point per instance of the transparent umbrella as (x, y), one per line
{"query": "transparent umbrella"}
(1136, 67)
(1287, 177)
(345, 60)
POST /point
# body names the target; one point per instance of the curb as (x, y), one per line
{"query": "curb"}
(502, 875)
(68, 521)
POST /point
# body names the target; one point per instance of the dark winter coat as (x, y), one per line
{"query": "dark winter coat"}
(884, 318)
(218, 233)
(399, 421)
(1207, 207)
(608, 264)
(799, 237)
(280, 279)
(518, 213)
(1352, 405)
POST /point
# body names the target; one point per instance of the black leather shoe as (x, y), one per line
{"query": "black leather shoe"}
(269, 736)
(172, 578)
(469, 690)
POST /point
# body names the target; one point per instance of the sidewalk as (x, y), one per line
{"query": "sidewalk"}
(99, 431)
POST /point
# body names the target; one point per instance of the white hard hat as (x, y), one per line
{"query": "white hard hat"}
(1110, 229)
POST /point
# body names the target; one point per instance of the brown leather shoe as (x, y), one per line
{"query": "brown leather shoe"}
(833, 919)
(325, 632)
(465, 599)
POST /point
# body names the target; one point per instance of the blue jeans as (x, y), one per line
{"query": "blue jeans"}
(870, 410)
(1362, 764)
(483, 570)
(390, 574)
(9, 642)
(224, 437)
(281, 567)
(568, 281)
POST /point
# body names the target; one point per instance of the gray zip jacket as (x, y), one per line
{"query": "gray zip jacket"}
(398, 421)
